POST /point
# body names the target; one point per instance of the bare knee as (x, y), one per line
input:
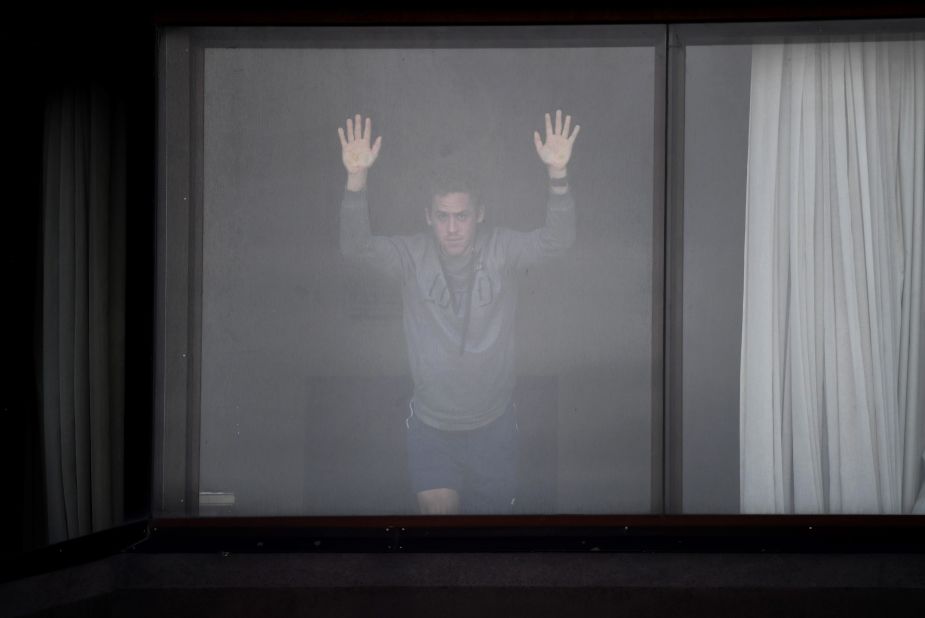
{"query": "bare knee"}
(442, 501)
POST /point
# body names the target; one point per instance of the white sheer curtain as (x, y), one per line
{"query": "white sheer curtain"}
(831, 407)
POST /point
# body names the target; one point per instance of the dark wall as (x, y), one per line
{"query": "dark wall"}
(463, 585)
(49, 51)
(20, 246)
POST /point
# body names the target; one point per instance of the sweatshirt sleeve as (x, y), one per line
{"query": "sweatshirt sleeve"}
(357, 242)
(527, 248)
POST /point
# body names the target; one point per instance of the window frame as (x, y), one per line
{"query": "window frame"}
(666, 529)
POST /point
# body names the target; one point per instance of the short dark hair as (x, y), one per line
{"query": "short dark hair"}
(450, 182)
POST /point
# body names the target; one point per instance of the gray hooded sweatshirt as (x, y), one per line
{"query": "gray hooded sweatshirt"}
(458, 314)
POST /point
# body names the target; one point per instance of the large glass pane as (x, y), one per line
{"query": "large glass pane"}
(309, 359)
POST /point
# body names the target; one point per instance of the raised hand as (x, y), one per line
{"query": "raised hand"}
(356, 152)
(557, 149)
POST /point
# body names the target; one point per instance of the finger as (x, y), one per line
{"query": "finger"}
(537, 141)
(565, 127)
(358, 126)
(376, 145)
(369, 129)
(548, 126)
(571, 140)
(343, 140)
(558, 122)
(349, 130)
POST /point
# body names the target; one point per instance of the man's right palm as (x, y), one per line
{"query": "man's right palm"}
(356, 152)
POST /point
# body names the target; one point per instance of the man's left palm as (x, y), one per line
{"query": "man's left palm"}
(557, 149)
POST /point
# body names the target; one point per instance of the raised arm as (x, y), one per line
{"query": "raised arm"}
(358, 154)
(556, 151)
(558, 234)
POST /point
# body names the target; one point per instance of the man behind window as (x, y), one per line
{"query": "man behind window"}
(459, 300)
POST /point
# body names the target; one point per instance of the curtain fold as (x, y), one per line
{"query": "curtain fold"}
(83, 311)
(831, 405)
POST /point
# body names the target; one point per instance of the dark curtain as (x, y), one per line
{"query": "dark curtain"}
(83, 311)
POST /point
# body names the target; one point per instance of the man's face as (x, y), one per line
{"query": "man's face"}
(454, 220)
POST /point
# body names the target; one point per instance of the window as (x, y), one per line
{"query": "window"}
(286, 369)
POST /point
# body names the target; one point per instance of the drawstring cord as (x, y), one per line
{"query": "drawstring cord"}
(476, 265)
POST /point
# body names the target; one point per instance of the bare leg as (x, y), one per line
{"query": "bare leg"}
(442, 501)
